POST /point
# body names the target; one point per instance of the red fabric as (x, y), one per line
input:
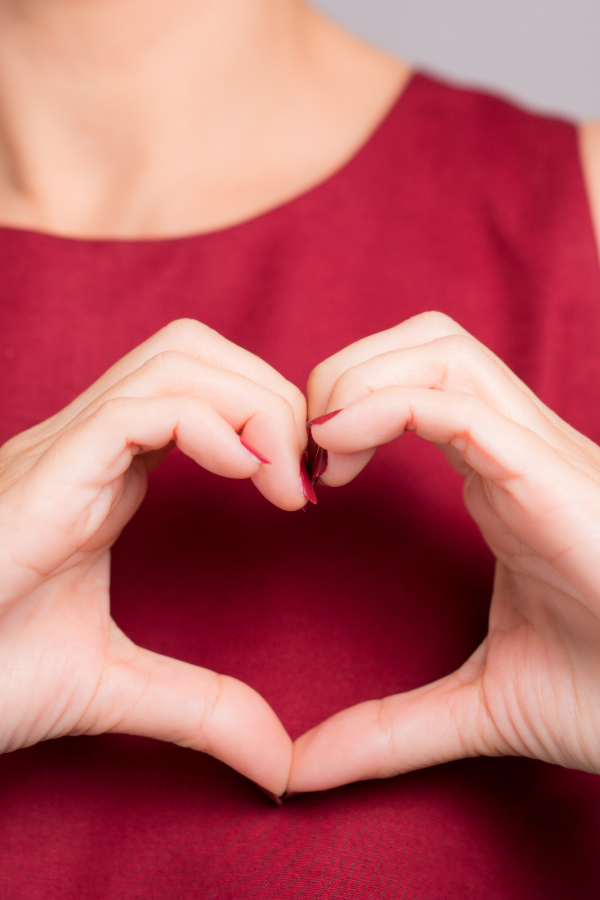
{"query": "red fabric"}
(459, 202)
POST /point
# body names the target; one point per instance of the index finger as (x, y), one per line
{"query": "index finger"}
(425, 328)
(418, 330)
(200, 342)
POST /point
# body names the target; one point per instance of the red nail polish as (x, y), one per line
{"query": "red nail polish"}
(271, 795)
(320, 420)
(255, 453)
(311, 453)
(316, 461)
(307, 488)
(320, 466)
(274, 797)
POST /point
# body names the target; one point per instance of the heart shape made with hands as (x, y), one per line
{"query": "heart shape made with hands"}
(532, 484)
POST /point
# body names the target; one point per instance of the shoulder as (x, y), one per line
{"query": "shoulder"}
(589, 142)
(520, 165)
(499, 130)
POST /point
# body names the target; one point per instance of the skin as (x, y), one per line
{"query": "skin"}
(532, 484)
(68, 487)
(271, 99)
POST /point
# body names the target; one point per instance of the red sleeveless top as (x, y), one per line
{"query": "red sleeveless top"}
(459, 202)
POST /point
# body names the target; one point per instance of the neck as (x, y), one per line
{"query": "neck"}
(138, 117)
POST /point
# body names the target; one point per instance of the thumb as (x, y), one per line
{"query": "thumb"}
(147, 694)
(440, 722)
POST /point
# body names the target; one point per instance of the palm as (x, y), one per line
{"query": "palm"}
(53, 648)
(538, 688)
(532, 484)
(537, 681)
(69, 661)
(67, 489)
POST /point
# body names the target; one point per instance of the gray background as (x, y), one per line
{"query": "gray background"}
(545, 53)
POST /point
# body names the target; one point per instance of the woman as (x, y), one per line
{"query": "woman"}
(248, 166)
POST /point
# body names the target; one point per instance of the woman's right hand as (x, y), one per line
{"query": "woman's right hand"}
(532, 485)
(67, 489)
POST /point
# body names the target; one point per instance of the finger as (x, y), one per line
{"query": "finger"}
(197, 340)
(462, 421)
(459, 364)
(456, 364)
(147, 694)
(414, 331)
(262, 417)
(450, 363)
(550, 505)
(464, 364)
(60, 504)
(434, 724)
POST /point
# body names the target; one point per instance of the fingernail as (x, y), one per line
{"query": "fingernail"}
(271, 795)
(274, 797)
(316, 458)
(307, 488)
(320, 420)
(320, 466)
(311, 453)
(255, 453)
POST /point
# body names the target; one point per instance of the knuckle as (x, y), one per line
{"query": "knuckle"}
(467, 363)
(458, 342)
(323, 372)
(279, 412)
(188, 336)
(460, 348)
(279, 405)
(438, 323)
(163, 359)
(113, 409)
(346, 381)
(166, 363)
(181, 331)
(294, 396)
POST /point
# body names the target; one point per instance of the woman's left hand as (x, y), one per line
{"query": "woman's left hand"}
(532, 484)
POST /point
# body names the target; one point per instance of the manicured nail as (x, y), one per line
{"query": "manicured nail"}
(320, 420)
(311, 453)
(271, 795)
(320, 466)
(276, 799)
(307, 488)
(316, 458)
(255, 453)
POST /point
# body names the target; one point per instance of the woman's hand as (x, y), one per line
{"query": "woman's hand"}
(532, 485)
(67, 489)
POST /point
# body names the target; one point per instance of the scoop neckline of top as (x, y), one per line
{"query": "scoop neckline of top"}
(416, 77)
